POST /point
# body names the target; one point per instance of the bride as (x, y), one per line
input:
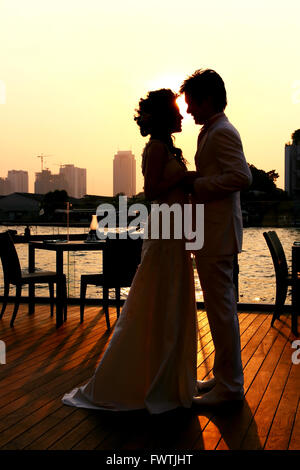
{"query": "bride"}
(150, 361)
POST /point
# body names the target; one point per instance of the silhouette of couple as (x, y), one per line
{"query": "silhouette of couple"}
(151, 361)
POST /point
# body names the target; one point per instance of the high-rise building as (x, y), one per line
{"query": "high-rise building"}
(292, 167)
(69, 178)
(75, 179)
(45, 181)
(4, 187)
(124, 177)
(18, 181)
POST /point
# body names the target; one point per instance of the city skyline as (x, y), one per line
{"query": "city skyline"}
(73, 72)
(121, 184)
(70, 178)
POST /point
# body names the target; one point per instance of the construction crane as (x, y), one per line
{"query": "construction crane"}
(42, 160)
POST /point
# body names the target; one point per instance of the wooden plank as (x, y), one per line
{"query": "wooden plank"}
(111, 426)
(64, 350)
(33, 416)
(76, 383)
(185, 435)
(28, 428)
(258, 373)
(205, 371)
(32, 324)
(207, 346)
(123, 435)
(56, 386)
(62, 422)
(173, 431)
(253, 336)
(73, 437)
(40, 351)
(89, 358)
(264, 412)
(41, 395)
(150, 431)
(92, 440)
(193, 436)
(219, 425)
(206, 360)
(33, 332)
(28, 435)
(295, 437)
(45, 355)
(282, 425)
(85, 424)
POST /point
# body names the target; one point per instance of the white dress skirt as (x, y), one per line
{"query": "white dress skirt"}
(151, 360)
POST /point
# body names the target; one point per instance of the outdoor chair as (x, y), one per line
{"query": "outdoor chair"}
(283, 278)
(12, 275)
(121, 258)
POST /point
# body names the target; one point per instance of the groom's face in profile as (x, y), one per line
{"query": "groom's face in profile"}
(201, 111)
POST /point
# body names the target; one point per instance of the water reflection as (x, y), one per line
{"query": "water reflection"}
(256, 279)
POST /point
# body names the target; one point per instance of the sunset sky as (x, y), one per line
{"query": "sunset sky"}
(72, 73)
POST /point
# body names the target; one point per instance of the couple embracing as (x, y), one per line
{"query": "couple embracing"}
(151, 360)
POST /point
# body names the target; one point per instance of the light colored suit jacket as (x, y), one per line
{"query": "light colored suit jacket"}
(223, 172)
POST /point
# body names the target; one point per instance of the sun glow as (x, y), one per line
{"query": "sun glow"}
(166, 81)
(173, 82)
(183, 107)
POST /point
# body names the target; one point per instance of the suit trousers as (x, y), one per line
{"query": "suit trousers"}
(216, 279)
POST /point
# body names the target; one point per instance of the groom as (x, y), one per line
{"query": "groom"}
(222, 172)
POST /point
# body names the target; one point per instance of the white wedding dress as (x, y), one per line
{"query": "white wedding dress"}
(150, 361)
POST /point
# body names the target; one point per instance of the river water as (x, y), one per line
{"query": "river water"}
(256, 280)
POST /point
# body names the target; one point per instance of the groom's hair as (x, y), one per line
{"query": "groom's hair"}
(204, 83)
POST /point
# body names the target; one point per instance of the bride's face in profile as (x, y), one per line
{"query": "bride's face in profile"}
(176, 119)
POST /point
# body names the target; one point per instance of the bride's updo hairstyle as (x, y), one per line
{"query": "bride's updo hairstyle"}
(156, 116)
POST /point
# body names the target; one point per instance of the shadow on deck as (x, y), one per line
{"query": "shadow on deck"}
(43, 363)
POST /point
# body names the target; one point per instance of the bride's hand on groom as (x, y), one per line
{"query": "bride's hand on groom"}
(188, 181)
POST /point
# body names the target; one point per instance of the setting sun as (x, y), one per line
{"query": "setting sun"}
(183, 107)
(73, 72)
(173, 82)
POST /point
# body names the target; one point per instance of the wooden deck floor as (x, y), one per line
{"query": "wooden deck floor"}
(43, 363)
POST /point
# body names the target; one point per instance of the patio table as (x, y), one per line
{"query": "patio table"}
(59, 247)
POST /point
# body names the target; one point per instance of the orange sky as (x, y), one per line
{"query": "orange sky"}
(72, 73)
